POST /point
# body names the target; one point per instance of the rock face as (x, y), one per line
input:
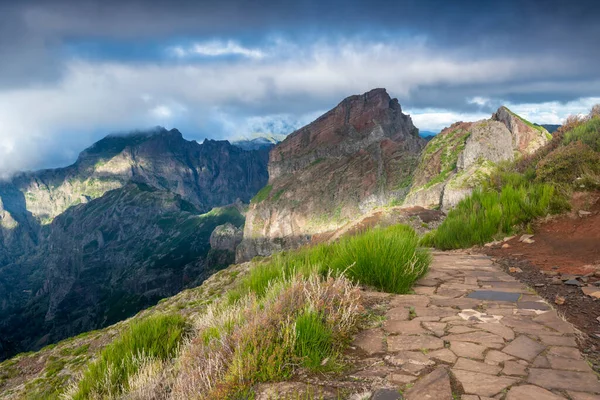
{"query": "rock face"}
(126, 225)
(359, 155)
(462, 155)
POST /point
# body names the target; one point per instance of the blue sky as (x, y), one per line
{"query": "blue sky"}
(71, 72)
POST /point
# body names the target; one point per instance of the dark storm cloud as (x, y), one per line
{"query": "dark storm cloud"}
(72, 70)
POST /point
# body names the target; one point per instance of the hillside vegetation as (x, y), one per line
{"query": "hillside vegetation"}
(517, 193)
(294, 312)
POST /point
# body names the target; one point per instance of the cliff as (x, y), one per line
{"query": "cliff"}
(359, 155)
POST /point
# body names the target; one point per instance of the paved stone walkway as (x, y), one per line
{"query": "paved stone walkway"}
(472, 332)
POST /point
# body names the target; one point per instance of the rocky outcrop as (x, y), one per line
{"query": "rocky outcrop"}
(129, 223)
(359, 155)
(461, 156)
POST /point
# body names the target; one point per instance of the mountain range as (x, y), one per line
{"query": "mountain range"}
(127, 224)
(139, 217)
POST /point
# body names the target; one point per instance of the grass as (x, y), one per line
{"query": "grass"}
(156, 337)
(300, 323)
(314, 340)
(490, 213)
(385, 258)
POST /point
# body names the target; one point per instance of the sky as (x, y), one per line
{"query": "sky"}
(73, 71)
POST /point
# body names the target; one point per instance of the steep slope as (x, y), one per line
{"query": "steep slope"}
(359, 155)
(127, 224)
(460, 156)
(105, 260)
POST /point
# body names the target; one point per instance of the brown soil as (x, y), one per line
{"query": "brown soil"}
(565, 246)
(570, 242)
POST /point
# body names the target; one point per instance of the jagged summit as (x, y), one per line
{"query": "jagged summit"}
(358, 155)
(354, 124)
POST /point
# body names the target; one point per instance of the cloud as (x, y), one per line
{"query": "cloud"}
(46, 125)
(216, 48)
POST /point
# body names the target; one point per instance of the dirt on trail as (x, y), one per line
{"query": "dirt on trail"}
(570, 242)
(563, 260)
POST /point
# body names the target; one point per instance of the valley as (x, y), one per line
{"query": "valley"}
(310, 264)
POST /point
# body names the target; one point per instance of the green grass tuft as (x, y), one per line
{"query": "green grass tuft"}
(385, 258)
(314, 341)
(156, 337)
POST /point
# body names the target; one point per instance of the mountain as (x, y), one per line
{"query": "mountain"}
(551, 128)
(457, 159)
(259, 142)
(359, 155)
(128, 223)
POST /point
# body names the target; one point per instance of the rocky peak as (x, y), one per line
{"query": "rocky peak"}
(353, 124)
(357, 156)
(526, 137)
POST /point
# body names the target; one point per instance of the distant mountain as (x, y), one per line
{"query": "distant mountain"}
(427, 135)
(359, 155)
(265, 141)
(127, 224)
(549, 127)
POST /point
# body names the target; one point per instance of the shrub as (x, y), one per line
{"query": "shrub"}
(156, 337)
(386, 258)
(587, 132)
(569, 163)
(299, 322)
(486, 214)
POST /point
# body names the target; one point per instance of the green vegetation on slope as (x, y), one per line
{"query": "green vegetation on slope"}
(448, 146)
(156, 337)
(262, 194)
(386, 258)
(517, 194)
(300, 323)
(295, 312)
(587, 132)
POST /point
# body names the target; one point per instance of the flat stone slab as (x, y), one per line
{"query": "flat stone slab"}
(386, 394)
(564, 380)
(513, 368)
(468, 350)
(370, 341)
(569, 364)
(530, 392)
(475, 337)
(482, 384)
(407, 343)
(497, 329)
(525, 348)
(403, 327)
(443, 355)
(435, 386)
(583, 396)
(494, 295)
(476, 366)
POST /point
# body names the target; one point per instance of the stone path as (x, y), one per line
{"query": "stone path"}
(471, 332)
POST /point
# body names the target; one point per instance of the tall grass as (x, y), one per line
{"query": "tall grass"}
(155, 338)
(299, 323)
(388, 259)
(489, 213)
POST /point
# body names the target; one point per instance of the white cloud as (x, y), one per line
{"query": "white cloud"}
(231, 98)
(216, 48)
